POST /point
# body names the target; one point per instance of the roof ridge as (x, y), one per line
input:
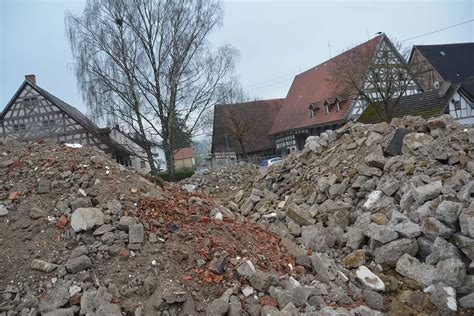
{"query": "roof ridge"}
(447, 44)
(344, 52)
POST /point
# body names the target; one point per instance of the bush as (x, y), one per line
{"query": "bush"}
(180, 175)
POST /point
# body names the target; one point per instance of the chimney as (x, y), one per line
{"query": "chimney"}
(443, 88)
(31, 78)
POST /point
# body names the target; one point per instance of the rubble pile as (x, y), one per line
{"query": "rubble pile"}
(222, 181)
(81, 234)
(387, 211)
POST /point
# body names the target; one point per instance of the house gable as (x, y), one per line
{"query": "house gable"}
(33, 114)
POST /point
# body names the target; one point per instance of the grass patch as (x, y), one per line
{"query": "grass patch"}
(180, 175)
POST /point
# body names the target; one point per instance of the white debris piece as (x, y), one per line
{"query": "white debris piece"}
(369, 279)
(372, 199)
(73, 145)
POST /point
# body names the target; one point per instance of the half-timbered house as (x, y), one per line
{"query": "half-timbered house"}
(33, 113)
(318, 101)
(452, 63)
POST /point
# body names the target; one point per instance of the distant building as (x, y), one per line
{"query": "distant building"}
(316, 102)
(426, 104)
(453, 63)
(33, 113)
(184, 159)
(247, 122)
(138, 156)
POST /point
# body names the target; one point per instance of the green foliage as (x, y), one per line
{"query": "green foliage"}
(179, 175)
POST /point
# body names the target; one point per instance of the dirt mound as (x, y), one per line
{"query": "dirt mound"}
(81, 233)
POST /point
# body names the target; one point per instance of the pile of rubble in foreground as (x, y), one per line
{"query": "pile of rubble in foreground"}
(386, 208)
(224, 180)
(80, 234)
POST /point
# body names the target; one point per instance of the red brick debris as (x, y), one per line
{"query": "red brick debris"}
(189, 230)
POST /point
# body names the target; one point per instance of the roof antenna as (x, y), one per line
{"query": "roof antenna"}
(329, 47)
(367, 30)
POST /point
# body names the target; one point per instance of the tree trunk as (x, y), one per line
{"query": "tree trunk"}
(244, 153)
(170, 163)
(151, 161)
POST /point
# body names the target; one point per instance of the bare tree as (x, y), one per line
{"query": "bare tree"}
(376, 75)
(147, 65)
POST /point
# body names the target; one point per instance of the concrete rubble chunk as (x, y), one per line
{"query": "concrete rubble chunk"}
(390, 253)
(451, 271)
(136, 234)
(467, 301)
(432, 228)
(44, 266)
(86, 218)
(3, 210)
(372, 198)
(412, 268)
(414, 141)
(324, 267)
(261, 281)
(220, 306)
(440, 250)
(369, 280)
(427, 192)
(448, 211)
(298, 215)
(444, 298)
(245, 269)
(44, 186)
(75, 265)
(466, 221)
(394, 147)
(381, 233)
(54, 299)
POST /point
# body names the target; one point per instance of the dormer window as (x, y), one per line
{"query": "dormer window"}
(313, 107)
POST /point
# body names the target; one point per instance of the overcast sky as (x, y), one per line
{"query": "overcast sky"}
(276, 39)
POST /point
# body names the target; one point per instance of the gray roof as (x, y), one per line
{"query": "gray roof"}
(426, 104)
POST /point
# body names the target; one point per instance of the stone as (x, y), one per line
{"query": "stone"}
(467, 301)
(235, 307)
(245, 269)
(369, 280)
(324, 267)
(70, 311)
(318, 237)
(407, 229)
(394, 147)
(54, 299)
(300, 295)
(383, 234)
(36, 213)
(81, 202)
(74, 265)
(254, 198)
(354, 259)
(451, 271)
(103, 229)
(136, 234)
(3, 210)
(44, 186)
(433, 228)
(444, 298)
(440, 250)
(427, 192)
(466, 245)
(247, 207)
(92, 300)
(372, 198)
(355, 237)
(412, 268)
(44, 266)
(220, 306)
(79, 251)
(414, 141)
(373, 299)
(389, 254)
(247, 291)
(301, 217)
(86, 218)
(466, 221)
(108, 309)
(261, 281)
(333, 206)
(367, 171)
(375, 160)
(125, 222)
(238, 196)
(218, 265)
(448, 211)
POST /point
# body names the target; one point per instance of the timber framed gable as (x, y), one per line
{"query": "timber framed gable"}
(33, 113)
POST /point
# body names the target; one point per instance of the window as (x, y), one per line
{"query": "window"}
(49, 123)
(142, 164)
(29, 102)
(457, 104)
(313, 112)
(19, 127)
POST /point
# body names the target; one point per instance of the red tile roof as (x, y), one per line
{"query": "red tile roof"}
(184, 153)
(259, 113)
(315, 86)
